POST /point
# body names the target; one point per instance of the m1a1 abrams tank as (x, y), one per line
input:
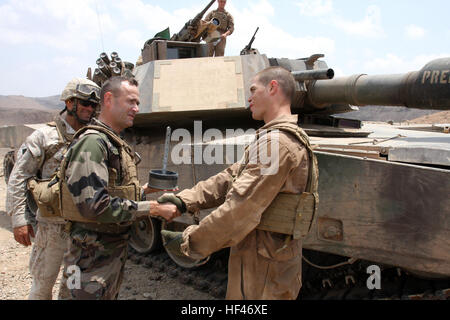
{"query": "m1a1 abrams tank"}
(384, 188)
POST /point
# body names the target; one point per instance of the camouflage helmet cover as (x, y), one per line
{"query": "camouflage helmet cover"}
(83, 89)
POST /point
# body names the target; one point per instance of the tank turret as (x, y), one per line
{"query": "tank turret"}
(173, 85)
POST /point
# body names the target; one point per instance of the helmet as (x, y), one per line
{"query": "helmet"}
(82, 89)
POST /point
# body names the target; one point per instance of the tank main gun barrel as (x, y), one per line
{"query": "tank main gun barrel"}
(322, 74)
(428, 88)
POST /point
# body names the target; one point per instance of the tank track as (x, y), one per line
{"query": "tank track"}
(349, 282)
(341, 283)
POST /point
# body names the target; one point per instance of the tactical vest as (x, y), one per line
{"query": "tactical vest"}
(45, 192)
(127, 188)
(291, 214)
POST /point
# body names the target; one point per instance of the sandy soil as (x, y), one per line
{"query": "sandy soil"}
(140, 283)
(439, 117)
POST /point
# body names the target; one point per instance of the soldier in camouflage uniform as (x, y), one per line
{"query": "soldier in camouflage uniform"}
(39, 157)
(100, 196)
(226, 28)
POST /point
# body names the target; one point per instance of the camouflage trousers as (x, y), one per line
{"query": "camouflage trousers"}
(217, 50)
(46, 258)
(98, 260)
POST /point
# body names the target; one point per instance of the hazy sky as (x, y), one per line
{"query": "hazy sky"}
(45, 43)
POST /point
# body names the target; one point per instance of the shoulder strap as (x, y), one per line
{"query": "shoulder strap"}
(115, 139)
(64, 138)
(299, 133)
(84, 130)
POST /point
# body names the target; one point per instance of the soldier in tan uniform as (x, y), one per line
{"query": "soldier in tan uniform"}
(262, 264)
(226, 28)
(39, 157)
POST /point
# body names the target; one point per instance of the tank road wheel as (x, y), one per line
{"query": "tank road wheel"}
(145, 235)
(8, 164)
(184, 262)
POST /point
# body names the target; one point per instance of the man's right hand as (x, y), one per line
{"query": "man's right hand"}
(168, 211)
(22, 235)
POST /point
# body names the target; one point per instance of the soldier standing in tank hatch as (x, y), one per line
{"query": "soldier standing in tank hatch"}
(262, 264)
(226, 28)
(39, 157)
(100, 196)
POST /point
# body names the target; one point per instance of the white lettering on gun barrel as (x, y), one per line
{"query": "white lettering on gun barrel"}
(436, 77)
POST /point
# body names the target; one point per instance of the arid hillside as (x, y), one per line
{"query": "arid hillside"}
(15, 110)
(395, 114)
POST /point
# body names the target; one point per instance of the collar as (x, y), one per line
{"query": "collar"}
(291, 118)
(97, 122)
(223, 11)
(69, 129)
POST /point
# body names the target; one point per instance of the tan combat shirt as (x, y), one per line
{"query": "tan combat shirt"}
(30, 161)
(225, 18)
(256, 270)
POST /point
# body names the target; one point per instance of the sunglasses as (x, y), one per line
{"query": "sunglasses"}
(86, 103)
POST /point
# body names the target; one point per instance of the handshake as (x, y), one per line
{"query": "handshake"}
(169, 206)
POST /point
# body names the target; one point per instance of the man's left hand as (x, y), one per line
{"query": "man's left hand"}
(172, 241)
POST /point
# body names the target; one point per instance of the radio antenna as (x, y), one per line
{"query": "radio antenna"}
(99, 26)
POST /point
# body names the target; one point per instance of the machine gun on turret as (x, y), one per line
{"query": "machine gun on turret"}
(194, 29)
(248, 48)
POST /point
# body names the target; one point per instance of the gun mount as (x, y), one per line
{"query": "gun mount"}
(248, 48)
(194, 29)
(186, 43)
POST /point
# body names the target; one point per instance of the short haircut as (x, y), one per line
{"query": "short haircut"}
(284, 78)
(114, 84)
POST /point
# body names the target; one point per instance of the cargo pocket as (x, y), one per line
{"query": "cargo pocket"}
(271, 247)
(37, 252)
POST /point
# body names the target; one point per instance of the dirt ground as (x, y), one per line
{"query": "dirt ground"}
(140, 283)
(439, 117)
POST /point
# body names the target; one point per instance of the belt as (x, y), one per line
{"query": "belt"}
(104, 228)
